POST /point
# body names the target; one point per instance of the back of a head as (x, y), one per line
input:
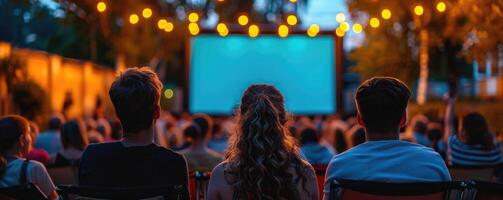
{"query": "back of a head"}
(434, 132)
(420, 124)
(12, 127)
(135, 95)
(56, 121)
(475, 127)
(205, 123)
(263, 143)
(381, 103)
(73, 134)
(308, 135)
(192, 131)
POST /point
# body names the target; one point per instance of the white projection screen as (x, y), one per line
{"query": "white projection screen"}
(301, 67)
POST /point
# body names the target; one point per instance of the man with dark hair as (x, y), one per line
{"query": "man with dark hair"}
(199, 156)
(135, 160)
(382, 110)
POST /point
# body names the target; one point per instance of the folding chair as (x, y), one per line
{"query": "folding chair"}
(351, 189)
(487, 190)
(22, 192)
(320, 171)
(64, 175)
(479, 173)
(177, 192)
(198, 184)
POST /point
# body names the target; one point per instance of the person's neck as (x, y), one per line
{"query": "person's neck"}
(142, 138)
(379, 136)
(198, 147)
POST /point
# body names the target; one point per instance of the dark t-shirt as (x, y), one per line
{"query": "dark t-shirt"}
(113, 165)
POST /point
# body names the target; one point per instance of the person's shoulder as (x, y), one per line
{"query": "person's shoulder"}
(169, 155)
(36, 166)
(104, 146)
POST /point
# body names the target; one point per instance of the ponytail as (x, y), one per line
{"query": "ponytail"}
(11, 129)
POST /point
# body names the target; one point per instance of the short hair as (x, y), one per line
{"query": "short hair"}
(135, 94)
(381, 103)
(56, 121)
(308, 135)
(204, 122)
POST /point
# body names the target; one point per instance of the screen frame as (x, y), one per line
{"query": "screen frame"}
(270, 31)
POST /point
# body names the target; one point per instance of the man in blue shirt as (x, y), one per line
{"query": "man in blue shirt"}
(382, 111)
(50, 140)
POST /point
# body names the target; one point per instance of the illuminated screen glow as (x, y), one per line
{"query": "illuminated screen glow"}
(302, 68)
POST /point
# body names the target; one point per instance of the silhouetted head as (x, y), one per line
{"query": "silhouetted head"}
(205, 124)
(74, 134)
(476, 130)
(308, 135)
(14, 138)
(382, 104)
(136, 95)
(56, 121)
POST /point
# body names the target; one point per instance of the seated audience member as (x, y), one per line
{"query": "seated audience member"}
(419, 125)
(263, 161)
(473, 145)
(314, 153)
(219, 141)
(135, 160)
(93, 135)
(381, 104)
(199, 157)
(50, 140)
(15, 142)
(435, 136)
(39, 155)
(103, 127)
(74, 140)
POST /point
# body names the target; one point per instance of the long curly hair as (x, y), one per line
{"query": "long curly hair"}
(262, 152)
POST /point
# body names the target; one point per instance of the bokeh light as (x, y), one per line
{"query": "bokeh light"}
(419, 10)
(101, 6)
(313, 30)
(374, 22)
(147, 13)
(340, 17)
(386, 13)
(133, 18)
(339, 32)
(441, 6)
(162, 23)
(344, 26)
(193, 17)
(291, 20)
(169, 27)
(243, 20)
(193, 28)
(283, 31)
(357, 28)
(253, 31)
(222, 29)
(169, 93)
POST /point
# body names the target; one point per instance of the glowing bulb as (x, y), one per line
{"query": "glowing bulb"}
(313, 30)
(386, 14)
(283, 31)
(441, 6)
(340, 17)
(339, 32)
(222, 29)
(169, 93)
(146, 13)
(344, 26)
(169, 27)
(357, 28)
(419, 10)
(133, 19)
(291, 20)
(162, 23)
(101, 6)
(193, 17)
(253, 31)
(193, 28)
(243, 20)
(293, 1)
(374, 22)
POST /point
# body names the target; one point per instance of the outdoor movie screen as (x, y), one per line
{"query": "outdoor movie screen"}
(301, 67)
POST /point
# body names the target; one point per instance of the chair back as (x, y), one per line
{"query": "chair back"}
(64, 175)
(177, 192)
(320, 171)
(487, 190)
(479, 173)
(198, 184)
(352, 189)
(22, 192)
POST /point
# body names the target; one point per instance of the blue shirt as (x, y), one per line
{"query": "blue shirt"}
(463, 154)
(387, 160)
(50, 141)
(316, 154)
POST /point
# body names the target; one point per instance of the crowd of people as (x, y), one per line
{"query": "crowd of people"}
(262, 153)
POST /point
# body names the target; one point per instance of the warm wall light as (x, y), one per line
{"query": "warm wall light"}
(243, 20)
(193, 17)
(253, 31)
(340, 17)
(283, 31)
(147, 13)
(101, 6)
(386, 13)
(419, 10)
(291, 20)
(313, 30)
(133, 19)
(374, 22)
(441, 6)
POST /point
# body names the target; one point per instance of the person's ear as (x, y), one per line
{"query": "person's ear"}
(359, 119)
(403, 120)
(157, 111)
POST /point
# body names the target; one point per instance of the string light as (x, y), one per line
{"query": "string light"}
(147, 13)
(243, 20)
(162, 23)
(357, 28)
(339, 32)
(253, 31)
(222, 29)
(193, 28)
(441, 6)
(386, 13)
(169, 93)
(340, 17)
(169, 27)
(283, 31)
(133, 19)
(344, 26)
(374, 22)
(293, 1)
(313, 30)
(101, 6)
(193, 17)
(291, 20)
(419, 10)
